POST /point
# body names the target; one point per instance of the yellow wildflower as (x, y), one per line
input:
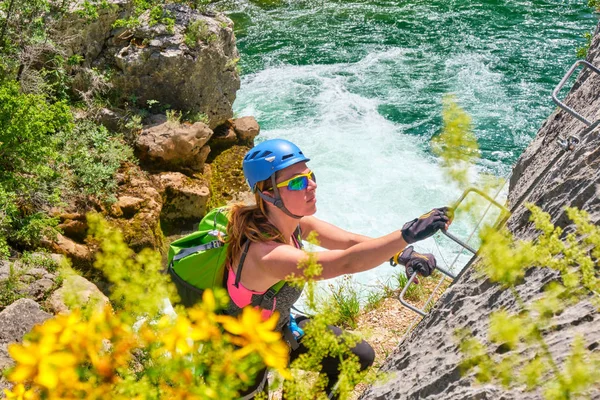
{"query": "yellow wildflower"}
(19, 393)
(255, 335)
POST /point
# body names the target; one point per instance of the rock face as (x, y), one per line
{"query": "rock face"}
(425, 365)
(171, 146)
(31, 280)
(137, 210)
(185, 198)
(84, 290)
(15, 321)
(190, 67)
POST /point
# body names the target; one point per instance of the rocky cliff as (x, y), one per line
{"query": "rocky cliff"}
(425, 365)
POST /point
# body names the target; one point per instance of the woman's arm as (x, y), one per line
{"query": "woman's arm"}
(280, 261)
(330, 236)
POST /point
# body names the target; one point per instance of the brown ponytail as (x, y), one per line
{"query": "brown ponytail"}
(250, 223)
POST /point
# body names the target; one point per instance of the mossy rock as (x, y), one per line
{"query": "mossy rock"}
(227, 177)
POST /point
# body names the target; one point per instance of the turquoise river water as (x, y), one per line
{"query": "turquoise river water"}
(358, 85)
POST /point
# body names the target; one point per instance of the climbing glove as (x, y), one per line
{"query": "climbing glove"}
(426, 225)
(424, 264)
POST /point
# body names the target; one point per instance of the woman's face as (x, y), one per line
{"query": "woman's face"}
(298, 202)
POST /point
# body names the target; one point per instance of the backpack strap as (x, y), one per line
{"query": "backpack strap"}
(191, 250)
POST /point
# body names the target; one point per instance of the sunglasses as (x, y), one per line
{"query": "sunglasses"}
(298, 182)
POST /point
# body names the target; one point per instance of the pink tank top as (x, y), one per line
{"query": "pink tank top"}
(242, 296)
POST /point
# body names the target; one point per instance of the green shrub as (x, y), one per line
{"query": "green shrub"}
(92, 155)
(11, 289)
(28, 125)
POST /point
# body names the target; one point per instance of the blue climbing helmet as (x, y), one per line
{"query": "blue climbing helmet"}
(265, 159)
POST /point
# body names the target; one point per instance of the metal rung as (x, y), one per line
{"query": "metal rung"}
(562, 83)
(504, 214)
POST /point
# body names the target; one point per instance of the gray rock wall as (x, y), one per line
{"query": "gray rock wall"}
(425, 365)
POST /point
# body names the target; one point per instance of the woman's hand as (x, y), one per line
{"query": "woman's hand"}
(424, 264)
(427, 224)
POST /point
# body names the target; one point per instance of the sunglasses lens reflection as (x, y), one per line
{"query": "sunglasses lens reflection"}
(299, 183)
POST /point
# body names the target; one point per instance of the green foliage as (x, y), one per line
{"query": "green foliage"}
(582, 51)
(196, 117)
(414, 292)
(92, 155)
(158, 15)
(595, 4)
(134, 276)
(575, 257)
(456, 145)
(320, 340)
(345, 302)
(27, 128)
(173, 116)
(11, 289)
(39, 259)
(198, 31)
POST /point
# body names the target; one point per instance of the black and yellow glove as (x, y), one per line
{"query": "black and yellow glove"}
(427, 224)
(424, 264)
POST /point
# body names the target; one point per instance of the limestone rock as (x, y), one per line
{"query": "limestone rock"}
(15, 321)
(129, 205)
(185, 197)
(65, 246)
(247, 129)
(85, 291)
(86, 36)
(30, 280)
(197, 76)
(74, 229)
(174, 146)
(111, 119)
(425, 365)
(137, 212)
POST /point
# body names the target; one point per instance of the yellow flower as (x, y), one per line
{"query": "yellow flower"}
(255, 335)
(19, 393)
(44, 362)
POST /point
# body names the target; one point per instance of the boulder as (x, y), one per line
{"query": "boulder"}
(247, 129)
(190, 67)
(15, 321)
(27, 280)
(184, 197)
(68, 247)
(83, 290)
(426, 364)
(172, 146)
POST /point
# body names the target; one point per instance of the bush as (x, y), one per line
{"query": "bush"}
(92, 155)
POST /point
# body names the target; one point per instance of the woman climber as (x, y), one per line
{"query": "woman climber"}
(265, 244)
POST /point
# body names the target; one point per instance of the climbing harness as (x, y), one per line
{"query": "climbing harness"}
(565, 144)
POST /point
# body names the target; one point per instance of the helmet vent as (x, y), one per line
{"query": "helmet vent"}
(286, 157)
(251, 157)
(266, 153)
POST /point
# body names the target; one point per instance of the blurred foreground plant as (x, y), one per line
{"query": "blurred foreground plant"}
(136, 351)
(575, 257)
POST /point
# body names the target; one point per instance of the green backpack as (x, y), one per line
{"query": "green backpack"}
(197, 261)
